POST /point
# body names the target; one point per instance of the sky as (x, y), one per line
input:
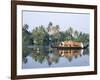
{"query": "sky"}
(77, 21)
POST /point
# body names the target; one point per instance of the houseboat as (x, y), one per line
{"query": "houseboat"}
(70, 45)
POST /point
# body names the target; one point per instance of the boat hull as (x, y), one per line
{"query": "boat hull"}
(69, 47)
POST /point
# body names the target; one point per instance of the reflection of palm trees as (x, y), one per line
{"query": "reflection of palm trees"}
(70, 59)
(45, 55)
(51, 55)
(25, 53)
(38, 57)
(76, 56)
(24, 60)
(52, 58)
(86, 51)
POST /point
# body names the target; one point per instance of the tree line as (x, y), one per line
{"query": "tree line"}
(46, 35)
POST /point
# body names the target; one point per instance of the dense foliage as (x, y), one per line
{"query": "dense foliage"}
(46, 35)
(49, 35)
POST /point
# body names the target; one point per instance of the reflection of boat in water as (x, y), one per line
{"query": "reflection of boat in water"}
(70, 53)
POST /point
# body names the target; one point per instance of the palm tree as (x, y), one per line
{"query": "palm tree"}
(25, 26)
(70, 31)
(76, 35)
(49, 26)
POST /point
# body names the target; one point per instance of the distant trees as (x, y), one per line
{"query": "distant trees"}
(70, 31)
(74, 35)
(26, 36)
(39, 34)
(46, 35)
(55, 34)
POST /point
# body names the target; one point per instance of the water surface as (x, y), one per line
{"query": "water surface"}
(46, 57)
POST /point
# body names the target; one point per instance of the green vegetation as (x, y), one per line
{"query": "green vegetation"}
(26, 36)
(47, 35)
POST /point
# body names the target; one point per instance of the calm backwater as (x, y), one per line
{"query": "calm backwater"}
(46, 57)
